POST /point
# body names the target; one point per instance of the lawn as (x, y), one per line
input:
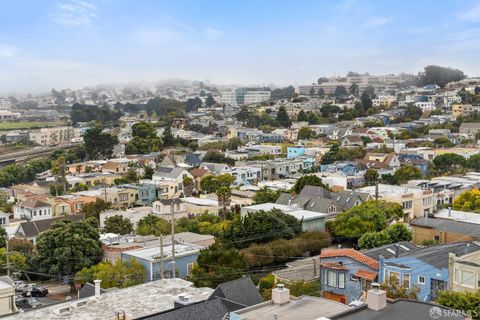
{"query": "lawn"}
(5, 125)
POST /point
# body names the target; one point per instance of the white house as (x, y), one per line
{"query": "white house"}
(32, 209)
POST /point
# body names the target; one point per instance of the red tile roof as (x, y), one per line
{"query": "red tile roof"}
(366, 274)
(352, 254)
(333, 265)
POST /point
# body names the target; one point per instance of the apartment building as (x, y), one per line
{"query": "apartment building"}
(54, 136)
(464, 109)
(415, 202)
(241, 96)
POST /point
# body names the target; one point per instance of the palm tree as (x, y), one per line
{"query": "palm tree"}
(187, 186)
(224, 194)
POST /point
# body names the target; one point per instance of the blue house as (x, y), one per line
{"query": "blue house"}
(346, 274)
(416, 161)
(293, 152)
(185, 256)
(347, 168)
(146, 192)
(424, 268)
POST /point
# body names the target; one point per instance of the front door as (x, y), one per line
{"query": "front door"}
(435, 287)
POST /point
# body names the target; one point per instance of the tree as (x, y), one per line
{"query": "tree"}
(167, 138)
(366, 101)
(463, 300)
(322, 80)
(302, 116)
(132, 175)
(266, 195)
(440, 76)
(308, 180)
(306, 133)
(148, 172)
(243, 115)
(340, 92)
(474, 162)
(193, 104)
(212, 183)
(118, 225)
(17, 261)
(93, 209)
(371, 176)
(312, 91)
(120, 274)
(144, 130)
(98, 144)
(153, 225)
(3, 237)
(217, 264)
(406, 173)
(187, 186)
(210, 101)
(320, 92)
(395, 233)
(468, 200)
(396, 290)
(261, 227)
(217, 157)
(354, 89)
(67, 247)
(449, 162)
(283, 118)
(370, 216)
(234, 143)
(224, 195)
(330, 110)
(23, 246)
(58, 170)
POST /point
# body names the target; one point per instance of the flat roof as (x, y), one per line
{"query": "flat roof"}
(304, 308)
(153, 253)
(136, 301)
(293, 211)
(456, 215)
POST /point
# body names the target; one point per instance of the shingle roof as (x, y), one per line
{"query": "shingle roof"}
(34, 203)
(351, 253)
(388, 251)
(33, 228)
(446, 225)
(241, 291)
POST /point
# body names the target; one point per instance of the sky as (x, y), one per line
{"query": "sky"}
(47, 44)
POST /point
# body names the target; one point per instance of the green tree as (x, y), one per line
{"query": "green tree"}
(463, 300)
(148, 172)
(3, 237)
(234, 143)
(120, 274)
(98, 144)
(23, 246)
(366, 101)
(371, 176)
(243, 115)
(395, 233)
(193, 104)
(212, 183)
(187, 186)
(144, 130)
(306, 133)
(468, 200)
(308, 180)
(93, 209)
(354, 89)
(443, 142)
(67, 247)
(396, 290)
(167, 138)
(312, 91)
(283, 118)
(320, 92)
(17, 260)
(153, 225)
(340, 92)
(440, 76)
(369, 216)
(266, 195)
(217, 264)
(210, 101)
(118, 224)
(449, 162)
(406, 173)
(474, 162)
(224, 195)
(302, 116)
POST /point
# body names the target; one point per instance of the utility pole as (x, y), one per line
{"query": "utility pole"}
(8, 260)
(172, 220)
(161, 257)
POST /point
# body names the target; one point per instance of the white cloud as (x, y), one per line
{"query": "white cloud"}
(472, 14)
(376, 22)
(76, 14)
(212, 33)
(8, 51)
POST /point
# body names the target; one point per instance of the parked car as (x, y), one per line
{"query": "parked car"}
(23, 303)
(35, 292)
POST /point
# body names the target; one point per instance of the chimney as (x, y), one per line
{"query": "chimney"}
(376, 298)
(280, 295)
(97, 287)
(181, 301)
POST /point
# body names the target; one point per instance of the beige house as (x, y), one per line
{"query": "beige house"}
(415, 202)
(54, 136)
(7, 298)
(464, 272)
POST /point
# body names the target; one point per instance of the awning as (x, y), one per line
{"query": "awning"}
(364, 274)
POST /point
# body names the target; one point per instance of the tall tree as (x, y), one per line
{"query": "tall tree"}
(187, 186)
(308, 180)
(406, 173)
(144, 130)
(224, 195)
(167, 138)
(340, 92)
(153, 225)
(354, 89)
(283, 118)
(266, 195)
(210, 101)
(98, 144)
(440, 76)
(118, 224)
(371, 176)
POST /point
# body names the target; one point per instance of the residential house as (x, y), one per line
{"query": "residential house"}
(352, 141)
(415, 202)
(7, 296)
(164, 207)
(166, 175)
(293, 152)
(346, 274)
(32, 209)
(381, 161)
(424, 268)
(119, 166)
(464, 271)
(197, 175)
(31, 229)
(4, 219)
(470, 129)
(311, 220)
(443, 230)
(321, 200)
(215, 168)
(416, 161)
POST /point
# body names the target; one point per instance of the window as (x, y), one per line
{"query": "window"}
(78, 206)
(421, 280)
(332, 278)
(341, 280)
(353, 278)
(123, 197)
(436, 238)
(406, 280)
(407, 205)
(467, 278)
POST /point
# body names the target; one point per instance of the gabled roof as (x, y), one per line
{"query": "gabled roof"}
(34, 203)
(352, 254)
(32, 229)
(388, 251)
(241, 291)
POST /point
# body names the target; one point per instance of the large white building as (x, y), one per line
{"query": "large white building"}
(5, 104)
(241, 96)
(53, 136)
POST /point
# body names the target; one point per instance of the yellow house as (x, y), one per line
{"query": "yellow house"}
(464, 272)
(463, 109)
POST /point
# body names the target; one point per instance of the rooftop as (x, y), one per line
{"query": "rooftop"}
(136, 301)
(298, 213)
(153, 253)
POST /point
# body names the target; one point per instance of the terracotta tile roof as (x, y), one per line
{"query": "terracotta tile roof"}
(333, 265)
(352, 254)
(366, 274)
